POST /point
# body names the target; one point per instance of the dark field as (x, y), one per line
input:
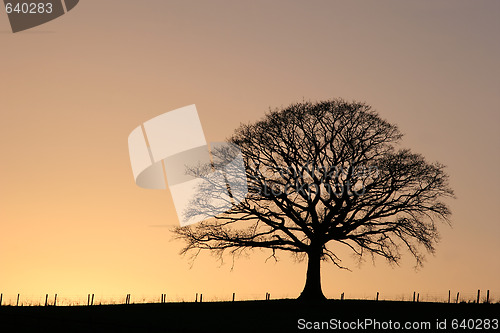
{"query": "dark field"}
(243, 316)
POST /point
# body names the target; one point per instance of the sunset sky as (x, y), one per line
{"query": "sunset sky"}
(72, 220)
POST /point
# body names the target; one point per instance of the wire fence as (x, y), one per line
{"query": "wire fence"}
(481, 296)
(449, 296)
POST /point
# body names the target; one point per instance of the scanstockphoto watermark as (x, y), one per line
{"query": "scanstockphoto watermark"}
(27, 14)
(368, 324)
(205, 180)
(311, 179)
(371, 324)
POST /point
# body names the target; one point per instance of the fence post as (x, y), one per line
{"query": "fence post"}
(46, 299)
(487, 297)
(478, 293)
(233, 297)
(418, 297)
(449, 296)
(88, 299)
(201, 298)
(92, 301)
(413, 296)
(1, 297)
(377, 296)
(458, 294)
(17, 304)
(55, 299)
(342, 296)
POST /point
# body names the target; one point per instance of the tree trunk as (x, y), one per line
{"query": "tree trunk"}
(312, 289)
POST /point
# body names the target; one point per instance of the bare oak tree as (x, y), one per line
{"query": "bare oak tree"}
(324, 173)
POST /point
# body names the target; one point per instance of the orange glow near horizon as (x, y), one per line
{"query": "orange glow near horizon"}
(72, 220)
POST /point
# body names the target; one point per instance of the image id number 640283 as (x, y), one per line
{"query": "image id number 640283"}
(29, 8)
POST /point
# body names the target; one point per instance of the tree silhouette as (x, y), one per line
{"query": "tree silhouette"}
(324, 173)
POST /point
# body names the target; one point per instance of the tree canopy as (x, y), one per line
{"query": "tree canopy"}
(323, 173)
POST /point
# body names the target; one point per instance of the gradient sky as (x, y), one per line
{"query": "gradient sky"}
(72, 220)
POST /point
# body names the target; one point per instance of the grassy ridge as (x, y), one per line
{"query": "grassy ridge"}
(243, 316)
